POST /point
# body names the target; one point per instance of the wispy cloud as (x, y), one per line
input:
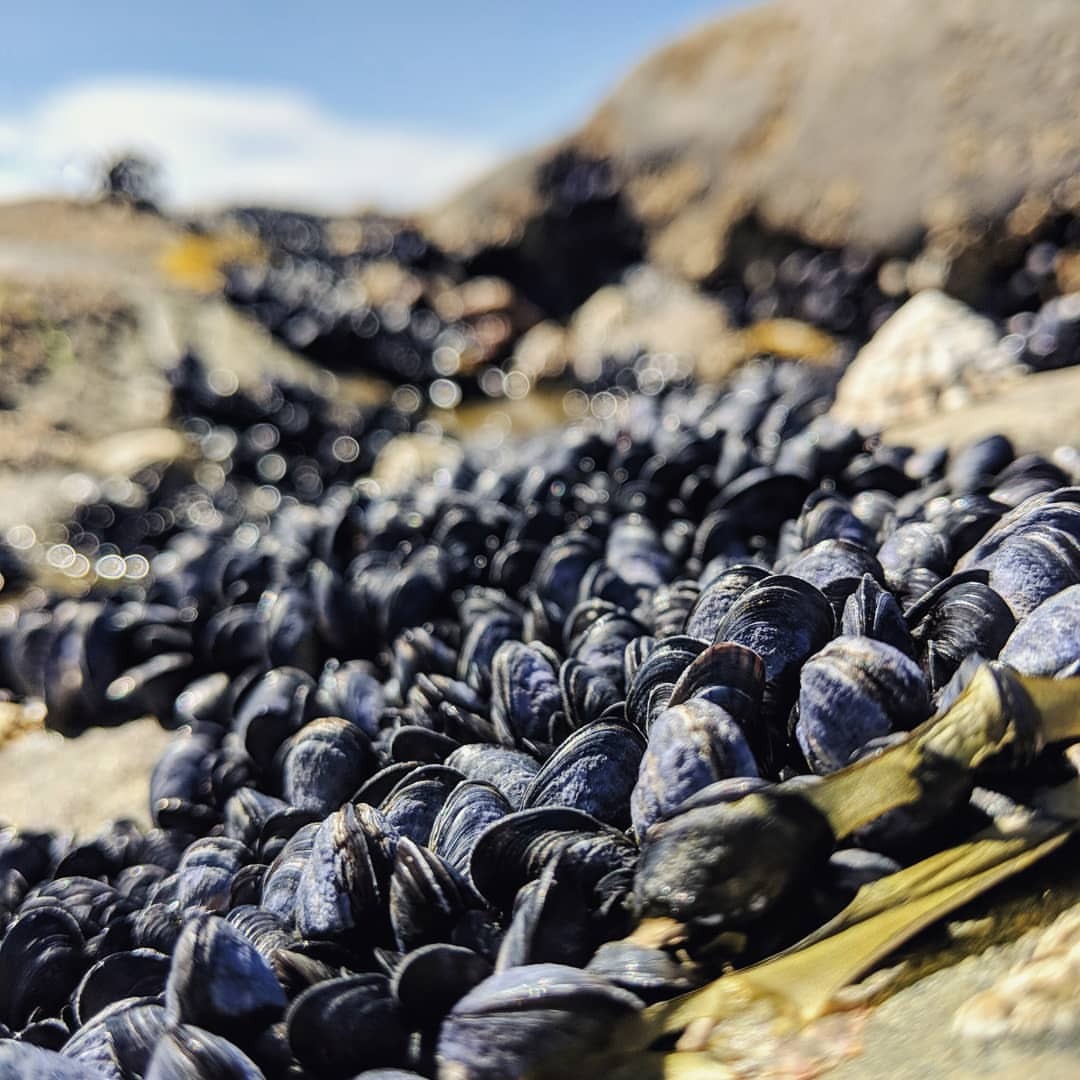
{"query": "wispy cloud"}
(227, 143)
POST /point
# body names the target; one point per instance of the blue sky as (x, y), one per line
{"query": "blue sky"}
(331, 103)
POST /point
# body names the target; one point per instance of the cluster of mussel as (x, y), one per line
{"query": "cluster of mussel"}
(584, 236)
(438, 754)
(255, 446)
(373, 295)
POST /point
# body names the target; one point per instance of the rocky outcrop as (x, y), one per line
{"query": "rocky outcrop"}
(883, 125)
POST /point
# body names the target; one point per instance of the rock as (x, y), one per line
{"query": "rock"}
(1039, 994)
(1038, 413)
(933, 355)
(1007, 1012)
(47, 781)
(410, 459)
(837, 121)
(650, 312)
(91, 319)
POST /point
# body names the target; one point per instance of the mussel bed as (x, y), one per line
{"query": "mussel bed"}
(439, 752)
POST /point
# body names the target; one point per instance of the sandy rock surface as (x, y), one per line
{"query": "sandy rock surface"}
(49, 782)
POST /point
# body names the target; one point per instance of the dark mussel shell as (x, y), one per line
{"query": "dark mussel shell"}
(650, 691)
(360, 1007)
(726, 860)
(426, 897)
(324, 763)
(690, 747)
(525, 693)
(137, 973)
(955, 619)
(337, 889)
(516, 848)
(651, 974)
(1047, 640)
(24, 1061)
(516, 1021)
(190, 1053)
(42, 958)
(854, 690)
(550, 923)
(467, 811)
(872, 611)
(728, 675)
(219, 981)
(430, 980)
(511, 771)
(594, 770)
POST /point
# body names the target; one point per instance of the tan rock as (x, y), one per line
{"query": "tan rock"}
(923, 350)
(1038, 412)
(651, 312)
(841, 121)
(49, 782)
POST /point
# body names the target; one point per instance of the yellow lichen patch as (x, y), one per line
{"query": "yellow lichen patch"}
(791, 339)
(16, 720)
(198, 262)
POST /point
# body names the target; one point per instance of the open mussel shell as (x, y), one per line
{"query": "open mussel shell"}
(516, 1021)
(342, 1026)
(594, 770)
(855, 690)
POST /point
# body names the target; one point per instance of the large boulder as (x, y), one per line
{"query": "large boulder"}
(839, 122)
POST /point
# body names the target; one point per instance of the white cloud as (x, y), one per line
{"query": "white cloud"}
(227, 143)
